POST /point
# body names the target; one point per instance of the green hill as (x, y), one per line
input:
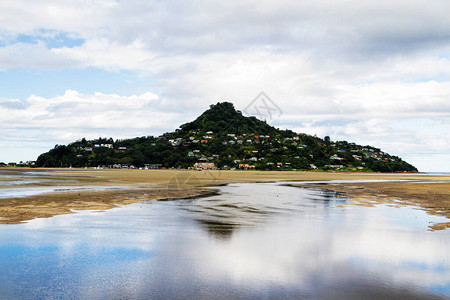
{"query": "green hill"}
(223, 119)
(223, 136)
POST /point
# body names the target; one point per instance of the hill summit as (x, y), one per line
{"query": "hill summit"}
(222, 137)
(223, 118)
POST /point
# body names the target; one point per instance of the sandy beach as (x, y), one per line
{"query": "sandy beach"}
(427, 192)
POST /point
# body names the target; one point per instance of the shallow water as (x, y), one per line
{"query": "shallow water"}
(23, 191)
(263, 240)
(23, 183)
(20, 182)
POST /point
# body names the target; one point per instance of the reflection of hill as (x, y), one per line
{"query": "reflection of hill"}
(218, 229)
(251, 204)
(221, 216)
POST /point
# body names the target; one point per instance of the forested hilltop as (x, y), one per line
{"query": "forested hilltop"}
(223, 138)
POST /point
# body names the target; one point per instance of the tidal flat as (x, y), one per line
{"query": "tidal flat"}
(26, 194)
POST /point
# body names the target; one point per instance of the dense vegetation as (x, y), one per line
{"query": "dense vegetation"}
(228, 139)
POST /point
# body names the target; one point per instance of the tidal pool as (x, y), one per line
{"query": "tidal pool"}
(24, 191)
(262, 240)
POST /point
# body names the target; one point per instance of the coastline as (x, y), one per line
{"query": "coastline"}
(428, 192)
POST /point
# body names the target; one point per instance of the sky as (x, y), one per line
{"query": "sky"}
(370, 72)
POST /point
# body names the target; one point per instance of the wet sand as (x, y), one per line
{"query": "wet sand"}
(433, 197)
(145, 185)
(17, 210)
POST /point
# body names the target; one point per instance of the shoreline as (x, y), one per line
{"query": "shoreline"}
(432, 197)
(23, 209)
(429, 192)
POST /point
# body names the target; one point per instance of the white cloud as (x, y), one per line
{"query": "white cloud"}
(62, 119)
(367, 72)
(27, 17)
(343, 30)
(24, 55)
(74, 110)
(104, 54)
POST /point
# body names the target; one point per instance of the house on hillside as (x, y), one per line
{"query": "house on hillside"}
(205, 166)
(152, 166)
(334, 166)
(246, 166)
(334, 156)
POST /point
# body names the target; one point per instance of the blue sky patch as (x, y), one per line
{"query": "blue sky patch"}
(51, 39)
(19, 83)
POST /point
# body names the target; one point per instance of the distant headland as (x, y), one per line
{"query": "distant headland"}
(223, 138)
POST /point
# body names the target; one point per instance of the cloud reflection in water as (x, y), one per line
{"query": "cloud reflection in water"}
(253, 240)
